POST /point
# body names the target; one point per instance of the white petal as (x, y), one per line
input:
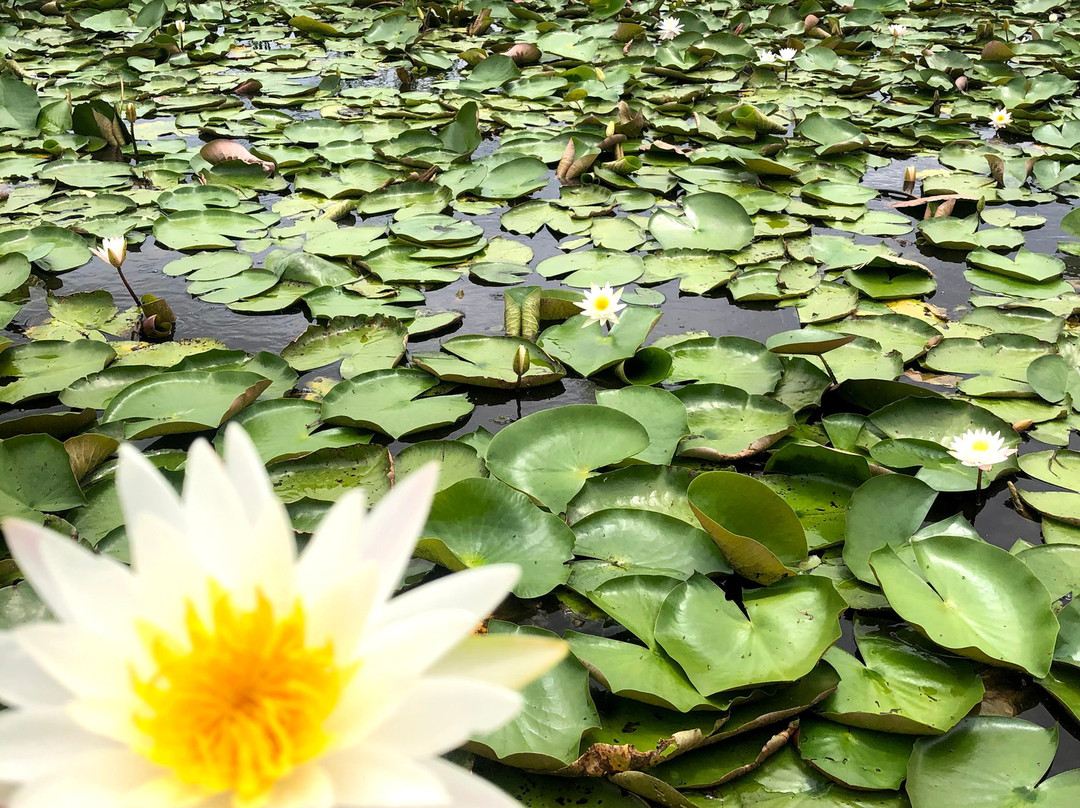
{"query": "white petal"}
(411, 645)
(247, 472)
(101, 779)
(142, 489)
(82, 662)
(37, 742)
(468, 790)
(22, 681)
(25, 540)
(392, 660)
(393, 527)
(334, 548)
(478, 590)
(371, 779)
(170, 575)
(339, 614)
(510, 660)
(94, 591)
(441, 713)
(306, 787)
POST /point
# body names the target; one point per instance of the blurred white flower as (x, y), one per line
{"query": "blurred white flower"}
(601, 304)
(221, 670)
(788, 54)
(979, 448)
(897, 31)
(766, 57)
(670, 28)
(113, 250)
(999, 118)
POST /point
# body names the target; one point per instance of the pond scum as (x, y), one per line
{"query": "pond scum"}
(725, 510)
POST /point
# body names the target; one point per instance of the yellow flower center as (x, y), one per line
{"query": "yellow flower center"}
(980, 446)
(242, 703)
(602, 303)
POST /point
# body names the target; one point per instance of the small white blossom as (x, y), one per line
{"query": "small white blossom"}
(980, 448)
(601, 304)
(670, 28)
(897, 30)
(1000, 118)
(766, 57)
(113, 250)
(788, 54)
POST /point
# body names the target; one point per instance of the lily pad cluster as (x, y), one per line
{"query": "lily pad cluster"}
(759, 550)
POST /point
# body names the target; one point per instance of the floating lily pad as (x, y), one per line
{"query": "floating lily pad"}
(696, 616)
(551, 453)
(483, 521)
(392, 402)
(489, 362)
(973, 598)
(732, 508)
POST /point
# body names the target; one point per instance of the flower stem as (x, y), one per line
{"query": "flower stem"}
(978, 488)
(828, 369)
(127, 286)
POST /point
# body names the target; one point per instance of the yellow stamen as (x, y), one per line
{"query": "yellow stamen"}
(601, 303)
(980, 446)
(242, 702)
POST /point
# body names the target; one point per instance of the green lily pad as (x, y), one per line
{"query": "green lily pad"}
(486, 361)
(327, 474)
(483, 521)
(697, 616)
(557, 711)
(392, 402)
(35, 476)
(855, 757)
(710, 221)
(1011, 756)
(287, 428)
(361, 343)
(727, 423)
(900, 686)
(972, 598)
(184, 401)
(884, 511)
(756, 530)
(589, 350)
(549, 454)
(47, 367)
(734, 361)
(660, 412)
(617, 542)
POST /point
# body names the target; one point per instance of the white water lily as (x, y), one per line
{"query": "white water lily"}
(113, 250)
(897, 31)
(670, 28)
(980, 448)
(601, 304)
(1000, 118)
(223, 671)
(766, 57)
(788, 54)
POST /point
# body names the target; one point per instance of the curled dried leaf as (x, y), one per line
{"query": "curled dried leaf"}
(221, 151)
